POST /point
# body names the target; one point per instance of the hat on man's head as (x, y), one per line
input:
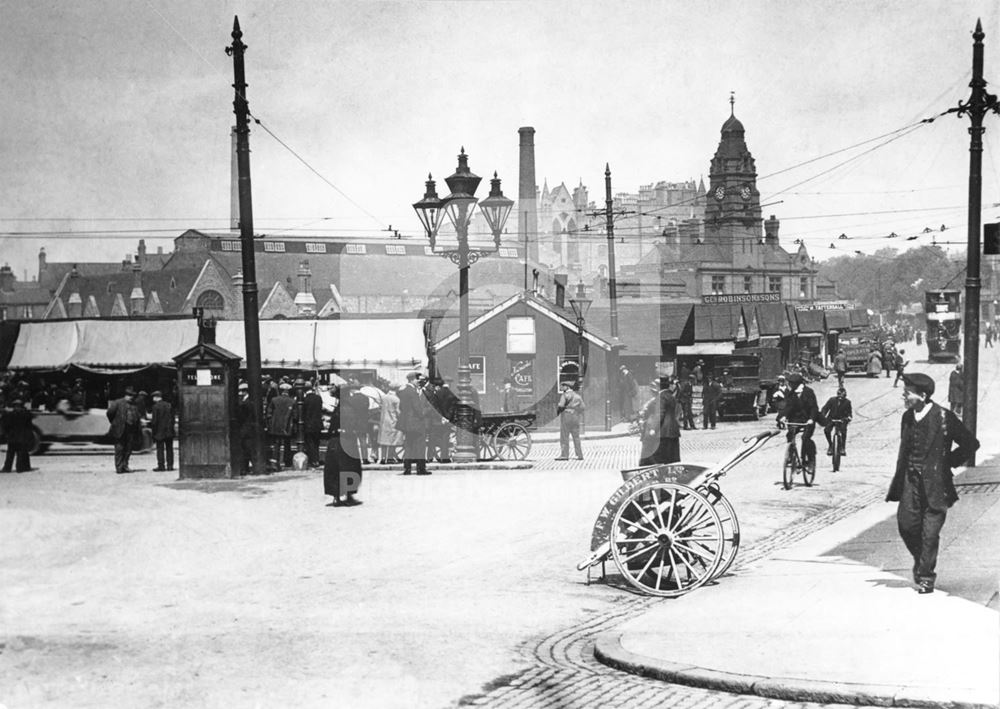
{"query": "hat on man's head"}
(243, 386)
(285, 386)
(410, 376)
(919, 382)
(129, 391)
(794, 378)
(157, 393)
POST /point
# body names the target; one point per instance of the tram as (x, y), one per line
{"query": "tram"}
(944, 325)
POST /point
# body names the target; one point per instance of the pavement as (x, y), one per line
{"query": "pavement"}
(835, 617)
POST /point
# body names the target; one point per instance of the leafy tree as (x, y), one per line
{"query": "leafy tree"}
(888, 279)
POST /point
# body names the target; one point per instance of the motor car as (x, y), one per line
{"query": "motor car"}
(79, 428)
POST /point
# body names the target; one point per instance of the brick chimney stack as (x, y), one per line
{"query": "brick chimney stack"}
(137, 298)
(304, 299)
(771, 230)
(7, 278)
(74, 304)
(527, 194)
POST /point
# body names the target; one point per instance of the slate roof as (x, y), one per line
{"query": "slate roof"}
(171, 287)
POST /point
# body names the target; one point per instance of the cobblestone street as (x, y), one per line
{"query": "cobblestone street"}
(455, 589)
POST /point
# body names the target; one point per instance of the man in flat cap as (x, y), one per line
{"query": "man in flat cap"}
(800, 407)
(923, 483)
(162, 425)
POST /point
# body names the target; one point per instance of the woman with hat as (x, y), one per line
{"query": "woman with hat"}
(932, 441)
(342, 467)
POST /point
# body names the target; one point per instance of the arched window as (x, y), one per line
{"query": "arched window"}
(211, 300)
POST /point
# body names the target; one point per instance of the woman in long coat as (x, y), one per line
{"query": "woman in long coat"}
(390, 438)
(660, 434)
(342, 467)
(874, 364)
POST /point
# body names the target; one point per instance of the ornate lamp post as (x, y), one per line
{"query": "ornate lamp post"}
(459, 206)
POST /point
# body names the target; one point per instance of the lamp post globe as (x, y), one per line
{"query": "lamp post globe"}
(459, 207)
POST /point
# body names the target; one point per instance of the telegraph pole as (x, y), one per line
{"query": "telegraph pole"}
(979, 104)
(613, 378)
(251, 324)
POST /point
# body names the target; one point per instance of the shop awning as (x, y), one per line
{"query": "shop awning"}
(860, 319)
(719, 322)
(810, 322)
(310, 344)
(837, 320)
(706, 348)
(332, 344)
(772, 319)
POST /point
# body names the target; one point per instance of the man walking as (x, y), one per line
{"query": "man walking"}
(162, 423)
(840, 366)
(627, 391)
(245, 429)
(570, 408)
(710, 394)
(956, 390)
(125, 429)
(685, 396)
(923, 483)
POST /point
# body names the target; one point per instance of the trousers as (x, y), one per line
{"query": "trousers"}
(920, 528)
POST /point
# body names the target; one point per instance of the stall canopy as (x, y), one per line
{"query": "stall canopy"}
(837, 320)
(810, 322)
(859, 319)
(772, 319)
(115, 345)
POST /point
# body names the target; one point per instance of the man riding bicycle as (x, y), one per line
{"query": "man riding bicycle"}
(836, 412)
(800, 408)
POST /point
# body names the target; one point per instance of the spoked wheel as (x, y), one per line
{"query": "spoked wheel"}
(730, 526)
(788, 469)
(837, 445)
(667, 539)
(486, 449)
(809, 469)
(512, 442)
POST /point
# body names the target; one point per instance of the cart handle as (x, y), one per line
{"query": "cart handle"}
(751, 444)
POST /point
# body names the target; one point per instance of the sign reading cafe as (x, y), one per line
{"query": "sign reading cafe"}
(742, 298)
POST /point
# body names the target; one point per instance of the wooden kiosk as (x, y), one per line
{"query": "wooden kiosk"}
(206, 405)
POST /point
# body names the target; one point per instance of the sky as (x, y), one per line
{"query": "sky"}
(116, 114)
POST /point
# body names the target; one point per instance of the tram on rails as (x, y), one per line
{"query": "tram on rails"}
(944, 324)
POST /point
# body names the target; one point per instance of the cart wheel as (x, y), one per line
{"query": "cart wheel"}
(730, 526)
(788, 469)
(512, 441)
(486, 449)
(667, 539)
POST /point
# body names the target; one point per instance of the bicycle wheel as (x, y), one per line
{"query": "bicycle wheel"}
(837, 446)
(788, 469)
(808, 464)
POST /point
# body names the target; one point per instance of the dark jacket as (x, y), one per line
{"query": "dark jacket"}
(947, 430)
(162, 421)
(312, 413)
(836, 408)
(124, 418)
(711, 392)
(659, 420)
(280, 415)
(801, 406)
(413, 407)
(956, 387)
(17, 427)
(445, 401)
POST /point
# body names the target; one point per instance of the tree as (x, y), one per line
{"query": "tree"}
(888, 279)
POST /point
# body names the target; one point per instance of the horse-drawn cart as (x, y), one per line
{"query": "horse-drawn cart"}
(669, 528)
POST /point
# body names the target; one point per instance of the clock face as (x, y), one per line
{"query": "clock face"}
(720, 192)
(745, 192)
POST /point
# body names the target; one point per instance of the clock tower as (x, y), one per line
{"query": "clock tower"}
(733, 202)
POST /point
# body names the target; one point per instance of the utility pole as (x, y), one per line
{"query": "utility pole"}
(613, 379)
(979, 104)
(251, 324)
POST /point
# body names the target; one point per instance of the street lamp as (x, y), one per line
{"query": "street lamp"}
(459, 206)
(580, 304)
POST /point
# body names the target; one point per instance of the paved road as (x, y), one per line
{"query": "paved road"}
(459, 588)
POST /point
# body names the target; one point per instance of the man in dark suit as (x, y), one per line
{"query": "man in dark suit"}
(801, 407)
(17, 427)
(923, 483)
(245, 429)
(280, 420)
(710, 401)
(444, 401)
(312, 424)
(412, 421)
(125, 428)
(162, 425)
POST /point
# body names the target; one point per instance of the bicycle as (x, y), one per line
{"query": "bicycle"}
(795, 463)
(837, 441)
